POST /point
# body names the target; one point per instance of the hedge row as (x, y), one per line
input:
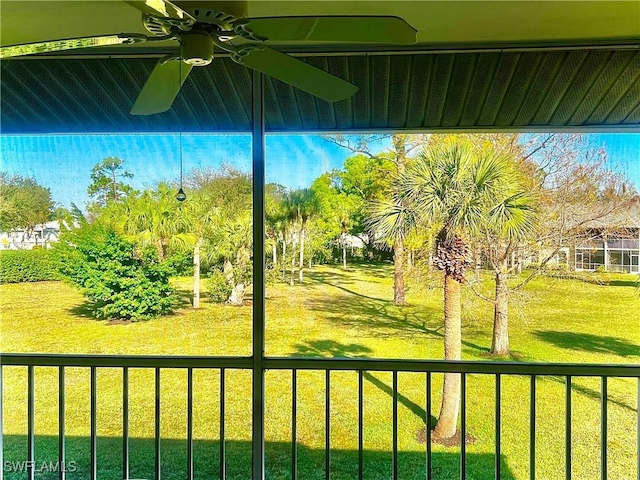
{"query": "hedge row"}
(18, 266)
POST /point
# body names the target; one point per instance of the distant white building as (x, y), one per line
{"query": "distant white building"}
(20, 239)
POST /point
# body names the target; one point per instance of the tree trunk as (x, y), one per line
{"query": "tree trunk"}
(227, 271)
(448, 418)
(274, 253)
(344, 256)
(398, 272)
(284, 259)
(301, 253)
(237, 294)
(293, 261)
(196, 274)
(500, 343)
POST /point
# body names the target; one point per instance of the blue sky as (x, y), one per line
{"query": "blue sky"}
(63, 162)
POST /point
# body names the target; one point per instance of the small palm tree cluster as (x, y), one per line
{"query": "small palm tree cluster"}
(287, 216)
(462, 192)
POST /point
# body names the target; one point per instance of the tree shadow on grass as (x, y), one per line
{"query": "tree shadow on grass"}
(381, 318)
(590, 392)
(343, 463)
(587, 342)
(333, 349)
(623, 283)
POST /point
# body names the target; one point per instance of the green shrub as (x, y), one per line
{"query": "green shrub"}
(219, 288)
(120, 280)
(181, 263)
(18, 266)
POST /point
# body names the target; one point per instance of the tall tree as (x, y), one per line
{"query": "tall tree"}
(107, 183)
(373, 177)
(219, 196)
(275, 219)
(201, 219)
(464, 194)
(572, 185)
(339, 213)
(302, 205)
(24, 204)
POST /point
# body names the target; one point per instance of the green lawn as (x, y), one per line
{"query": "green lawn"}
(335, 313)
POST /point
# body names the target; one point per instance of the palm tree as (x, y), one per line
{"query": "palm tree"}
(150, 218)
(232, 243)
(199, 219)
(464, 193)
(518, 221)
(301, 205)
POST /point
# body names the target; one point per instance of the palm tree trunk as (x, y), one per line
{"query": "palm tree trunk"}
(448, 418)
(196, 273)
(274, 253)
(301, 253)
(500, 342)
(237, 294)
(398, 272)
(344, 256)
(284, 258)
(293, 262)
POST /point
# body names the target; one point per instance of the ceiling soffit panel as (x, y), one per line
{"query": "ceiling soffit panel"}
(586, 89)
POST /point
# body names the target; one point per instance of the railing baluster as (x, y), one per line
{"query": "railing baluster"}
(327, 426)
(61, 427)
(361, 424)
(158, 462)
(498, 426)
(30, 423)
(395, 425)
(603, 446)
(532, 429)
(567, 437)
(428, 426)
(223, 461)
(1, 427)
(125, 422)
(94, 426)
(189, 423)
(294, 424)
(463, 427)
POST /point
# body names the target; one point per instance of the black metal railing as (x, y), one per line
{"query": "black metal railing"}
(361, 366)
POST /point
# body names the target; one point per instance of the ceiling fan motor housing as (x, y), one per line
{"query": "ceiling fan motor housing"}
(196, 48)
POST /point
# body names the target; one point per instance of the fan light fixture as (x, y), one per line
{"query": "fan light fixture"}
(181, 196)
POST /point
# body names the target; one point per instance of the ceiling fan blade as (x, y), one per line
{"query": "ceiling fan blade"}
(361, 29)
(70, 44)
(162, 87)
(296, 72)
(163, 9)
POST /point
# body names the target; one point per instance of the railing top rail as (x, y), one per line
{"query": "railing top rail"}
(288, 363)
(134, 361)
(460, 366)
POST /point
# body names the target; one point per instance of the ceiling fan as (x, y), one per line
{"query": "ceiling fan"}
(198, 26)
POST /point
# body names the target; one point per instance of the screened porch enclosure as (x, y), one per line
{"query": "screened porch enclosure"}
(592, 84)
(617, 254)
